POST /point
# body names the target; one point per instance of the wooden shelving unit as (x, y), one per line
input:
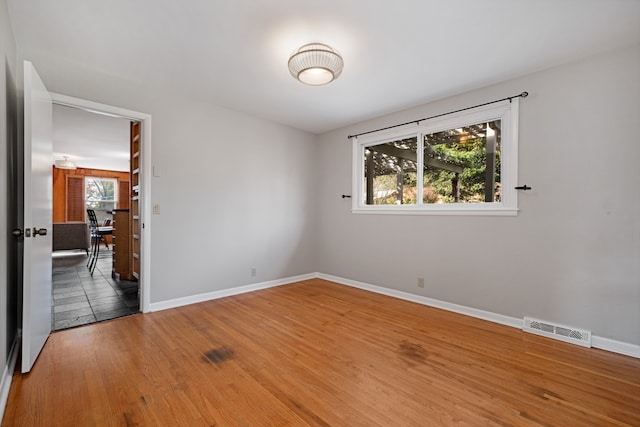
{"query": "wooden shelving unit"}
(121, 245)
(134, 207)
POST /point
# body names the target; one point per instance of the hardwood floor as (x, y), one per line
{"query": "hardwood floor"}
(315, 353)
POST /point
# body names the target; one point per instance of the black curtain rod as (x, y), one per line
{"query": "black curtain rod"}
(509, 98)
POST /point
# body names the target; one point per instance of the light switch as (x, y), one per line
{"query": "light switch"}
(156, 208)
(156, 171)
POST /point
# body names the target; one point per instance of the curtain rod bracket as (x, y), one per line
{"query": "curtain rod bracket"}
(523, 187)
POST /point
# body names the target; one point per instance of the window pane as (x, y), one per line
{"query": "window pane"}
(462, 165)
(98, 189)
(100, 195)
(390, 173)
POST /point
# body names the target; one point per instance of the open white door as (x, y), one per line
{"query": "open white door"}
(38, 152)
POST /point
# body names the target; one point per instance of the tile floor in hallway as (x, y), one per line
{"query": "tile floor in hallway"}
(80, 298)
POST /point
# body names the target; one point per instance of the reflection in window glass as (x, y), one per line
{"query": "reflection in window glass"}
(390, 173)
(462, 165)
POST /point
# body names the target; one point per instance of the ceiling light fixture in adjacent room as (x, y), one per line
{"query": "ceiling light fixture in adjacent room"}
(65, 164)
(316, 64)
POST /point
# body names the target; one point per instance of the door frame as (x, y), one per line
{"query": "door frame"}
(145, 180)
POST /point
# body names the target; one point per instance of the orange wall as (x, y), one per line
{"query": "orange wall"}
(60, 187)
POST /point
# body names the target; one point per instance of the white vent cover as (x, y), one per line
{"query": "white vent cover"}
(559, 332)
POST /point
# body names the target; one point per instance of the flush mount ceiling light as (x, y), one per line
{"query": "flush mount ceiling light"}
(316, 64)
(65, 164)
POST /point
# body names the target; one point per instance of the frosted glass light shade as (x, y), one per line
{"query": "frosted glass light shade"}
(316, 64)
(65, 164)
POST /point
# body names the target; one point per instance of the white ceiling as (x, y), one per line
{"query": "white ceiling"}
(397, 53)
(90, 140)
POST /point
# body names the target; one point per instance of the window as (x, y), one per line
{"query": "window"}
(462, 163)
(100, 195)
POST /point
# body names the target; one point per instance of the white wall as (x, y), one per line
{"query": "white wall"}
(235, 191)
(572, 255)
(8, 306)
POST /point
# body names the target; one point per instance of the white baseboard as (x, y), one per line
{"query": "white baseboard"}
(602, 343)
(468, 311)
(179, 302)
(7, 374)
(614, 346)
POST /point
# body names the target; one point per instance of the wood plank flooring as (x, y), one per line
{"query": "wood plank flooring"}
(316, 353)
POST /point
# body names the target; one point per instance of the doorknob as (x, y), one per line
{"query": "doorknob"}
(17, 232)
(41, 232)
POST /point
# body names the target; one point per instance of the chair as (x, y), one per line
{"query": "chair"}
(97, 235)
(95, 228)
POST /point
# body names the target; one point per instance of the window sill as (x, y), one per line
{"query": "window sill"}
(436, 210)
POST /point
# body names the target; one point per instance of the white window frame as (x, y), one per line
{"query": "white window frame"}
(115, 187)
(506, 111)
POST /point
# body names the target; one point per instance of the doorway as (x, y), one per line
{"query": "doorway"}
(104, 294)
(91, 174)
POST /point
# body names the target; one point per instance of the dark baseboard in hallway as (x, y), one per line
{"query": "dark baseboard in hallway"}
(80, 298)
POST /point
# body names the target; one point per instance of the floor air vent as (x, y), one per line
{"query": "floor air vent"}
(559, 332)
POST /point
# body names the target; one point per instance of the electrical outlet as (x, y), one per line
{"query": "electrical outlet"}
(253, 272)
(421, 282)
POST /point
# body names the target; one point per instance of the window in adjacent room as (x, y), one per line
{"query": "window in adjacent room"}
(463, 163)
(101, 196)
